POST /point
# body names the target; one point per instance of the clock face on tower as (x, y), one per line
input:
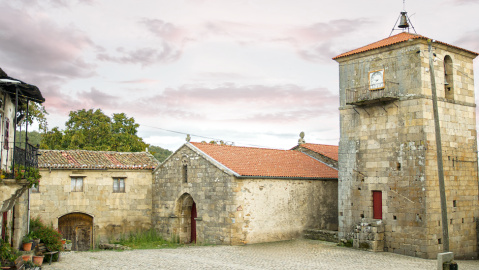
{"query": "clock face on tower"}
(376, 79)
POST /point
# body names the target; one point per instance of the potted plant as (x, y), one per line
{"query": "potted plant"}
(38, 259)
(27, 257)
(29, 264)
(64, 241)
(7, 254)
(27, 243)
(68, 245)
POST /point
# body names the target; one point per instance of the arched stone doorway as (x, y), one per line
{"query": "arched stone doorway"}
(186, 211)
(77, 227)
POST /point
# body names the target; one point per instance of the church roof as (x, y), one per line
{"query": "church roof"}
(330, 151)
(85, 159)
(402, 37)
(268, 163)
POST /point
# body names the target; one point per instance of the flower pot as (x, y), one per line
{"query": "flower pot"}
(68, 246)
(38, 260)
(27, 246)
(27, 257)
(64, 241)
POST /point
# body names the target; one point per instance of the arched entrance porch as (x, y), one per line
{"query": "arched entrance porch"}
(186, 211)
(77, 227)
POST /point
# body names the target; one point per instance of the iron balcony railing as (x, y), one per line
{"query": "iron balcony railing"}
(363, 95)
(26, 156)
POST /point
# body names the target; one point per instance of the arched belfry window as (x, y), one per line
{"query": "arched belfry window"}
(448, 78)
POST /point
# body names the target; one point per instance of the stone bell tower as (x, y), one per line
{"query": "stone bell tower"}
(387, 151)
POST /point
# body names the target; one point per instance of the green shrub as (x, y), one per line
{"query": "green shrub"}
(48, 235)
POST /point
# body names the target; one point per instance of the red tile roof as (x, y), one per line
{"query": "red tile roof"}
(402, 37)
(330, 151)
(84, 159)
(263, 162)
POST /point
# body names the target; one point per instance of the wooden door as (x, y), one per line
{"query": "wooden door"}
(377, 205)
(77, 227)
(193, 223)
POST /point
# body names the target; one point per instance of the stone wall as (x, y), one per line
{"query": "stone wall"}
(281, 209)
(113, 213)
(211, 188)
(237, 211)
(390, 147)
(331, 162)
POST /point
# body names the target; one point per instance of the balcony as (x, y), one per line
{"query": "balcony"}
(362, 96)
(26, 156)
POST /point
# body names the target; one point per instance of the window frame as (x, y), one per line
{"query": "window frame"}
(117, 181)
(76, 178)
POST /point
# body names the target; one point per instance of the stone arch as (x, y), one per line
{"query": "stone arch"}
(448, 78)
(185, 210)
(77, 227)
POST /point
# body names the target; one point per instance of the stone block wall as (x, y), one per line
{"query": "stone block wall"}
(390, 147)
(233, 210)
(369, 235)
(281, 209)
(113, 213)
(329, 161)
(211, 188)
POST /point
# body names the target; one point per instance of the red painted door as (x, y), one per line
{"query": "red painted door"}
(193, 223)
(377, 205)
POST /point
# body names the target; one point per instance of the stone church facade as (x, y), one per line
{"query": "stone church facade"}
(221, 194)
(388, 166)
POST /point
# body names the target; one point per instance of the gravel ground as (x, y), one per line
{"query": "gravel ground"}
(296, 254)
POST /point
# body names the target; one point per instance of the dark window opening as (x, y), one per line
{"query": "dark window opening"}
(185, 173)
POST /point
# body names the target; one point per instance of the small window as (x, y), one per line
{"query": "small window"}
(185, 173)
(77, 184)
(118, 185)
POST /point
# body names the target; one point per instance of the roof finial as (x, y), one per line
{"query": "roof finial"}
(188, 137)
(301, 138)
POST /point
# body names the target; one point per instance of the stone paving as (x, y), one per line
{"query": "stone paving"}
(296, 254)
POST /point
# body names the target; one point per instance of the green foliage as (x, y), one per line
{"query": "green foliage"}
(149, 239)
(26, 239)
(7, 253)
(93, 130)
(34, 138)
(36, 112)
(48, 235)
(31, 174)
(159, 153)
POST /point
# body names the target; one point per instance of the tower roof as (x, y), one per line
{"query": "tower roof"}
(401, 37)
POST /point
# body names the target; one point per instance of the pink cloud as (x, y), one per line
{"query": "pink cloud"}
(143, 56)
(238, 103)
(319, 42)
(35, 44)
(469, 41)
(139, 81)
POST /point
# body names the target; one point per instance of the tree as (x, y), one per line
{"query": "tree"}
(93, 130)
(159, 153)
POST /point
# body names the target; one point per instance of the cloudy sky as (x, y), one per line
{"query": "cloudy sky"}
(252, 72)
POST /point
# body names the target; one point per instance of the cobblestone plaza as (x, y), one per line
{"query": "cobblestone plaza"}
(296, 254)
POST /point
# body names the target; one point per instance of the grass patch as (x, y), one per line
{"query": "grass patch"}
(150, 239)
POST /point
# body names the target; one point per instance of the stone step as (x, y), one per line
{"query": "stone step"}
(323, 235)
